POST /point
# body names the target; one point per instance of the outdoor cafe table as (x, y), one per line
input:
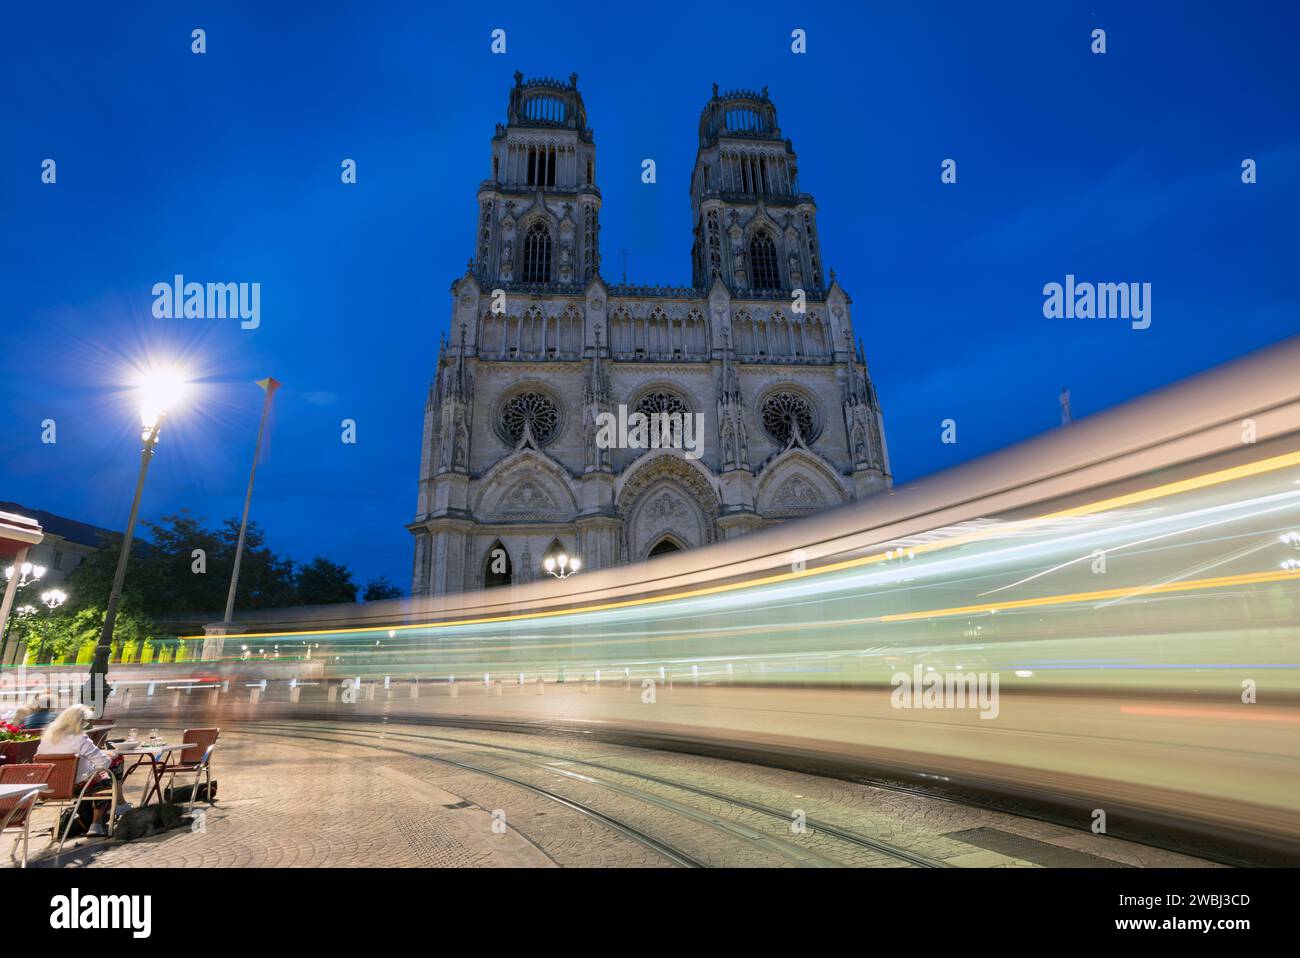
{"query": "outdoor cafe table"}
(159, 768)
(23, 792)
(9, 791)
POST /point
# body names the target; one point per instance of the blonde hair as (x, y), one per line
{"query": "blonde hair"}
(71, 721)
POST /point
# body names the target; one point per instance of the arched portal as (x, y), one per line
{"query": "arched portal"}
(496, 566)
(666, 496)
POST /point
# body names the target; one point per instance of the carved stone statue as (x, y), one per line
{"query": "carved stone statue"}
(728, 446)
(462, 445)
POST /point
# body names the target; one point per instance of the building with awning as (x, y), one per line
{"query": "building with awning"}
(18, 534)
(67, 543)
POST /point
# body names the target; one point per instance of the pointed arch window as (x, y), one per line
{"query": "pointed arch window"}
(496, 566)
(537, 254)
(762, 262)
(663, 547)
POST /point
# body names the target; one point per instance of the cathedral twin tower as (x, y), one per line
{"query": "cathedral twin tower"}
(512, 469)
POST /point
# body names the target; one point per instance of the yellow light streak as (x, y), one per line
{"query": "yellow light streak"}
(1248, 578)
(1203, 481)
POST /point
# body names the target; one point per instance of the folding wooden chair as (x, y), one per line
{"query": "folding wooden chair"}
(196, 759)
(16, 812)
(64, 793)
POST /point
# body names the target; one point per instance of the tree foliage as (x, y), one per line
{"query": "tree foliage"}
(71, 635)
(323, 582)
(179, 568)
(379, 589)
(184, 568)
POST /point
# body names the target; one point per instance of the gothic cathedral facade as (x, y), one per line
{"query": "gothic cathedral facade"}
(511, 470)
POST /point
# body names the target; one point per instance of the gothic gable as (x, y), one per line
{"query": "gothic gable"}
(798, 483)
(527, 485)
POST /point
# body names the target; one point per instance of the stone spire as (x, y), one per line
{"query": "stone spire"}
(458, 384)
(455, 398)
(862, 418)
(596, 402)
(597, 386)
(733, 439)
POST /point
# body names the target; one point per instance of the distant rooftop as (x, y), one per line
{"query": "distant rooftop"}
(80, 532)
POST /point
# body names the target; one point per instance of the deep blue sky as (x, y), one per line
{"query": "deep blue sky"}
(226, 167)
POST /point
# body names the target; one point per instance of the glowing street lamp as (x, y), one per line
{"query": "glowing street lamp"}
(561, 566)
(27, 573)
(159, 390)
(53, 598)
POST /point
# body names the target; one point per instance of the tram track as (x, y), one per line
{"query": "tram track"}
(672, 854)
(795, 854)
(1141, 830)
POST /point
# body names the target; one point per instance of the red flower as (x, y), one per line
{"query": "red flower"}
(9, 733)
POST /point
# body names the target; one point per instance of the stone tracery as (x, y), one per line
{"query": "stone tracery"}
(783, 413)
(533, 411)
(756, 345)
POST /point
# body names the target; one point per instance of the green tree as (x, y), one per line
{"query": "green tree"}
(91, 581)
(322, 582)
(180, 568)
(378, 589)
(266, 580)
(68, 635)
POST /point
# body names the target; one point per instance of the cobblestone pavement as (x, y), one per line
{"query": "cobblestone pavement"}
(304, 794)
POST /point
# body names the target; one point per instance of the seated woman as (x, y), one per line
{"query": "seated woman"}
(36, 714)
(66, 736)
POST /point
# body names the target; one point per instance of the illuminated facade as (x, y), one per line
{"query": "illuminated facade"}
(512, 468)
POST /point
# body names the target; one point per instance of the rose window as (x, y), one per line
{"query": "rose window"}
(661, 402)
(536, 410)
(782, 411)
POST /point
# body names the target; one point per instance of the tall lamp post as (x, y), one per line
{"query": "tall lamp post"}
(160, 389)
(213, 643)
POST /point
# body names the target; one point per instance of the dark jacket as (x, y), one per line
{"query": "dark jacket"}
(39, 719)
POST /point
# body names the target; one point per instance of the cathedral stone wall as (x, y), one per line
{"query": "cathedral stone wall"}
(761, 349)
